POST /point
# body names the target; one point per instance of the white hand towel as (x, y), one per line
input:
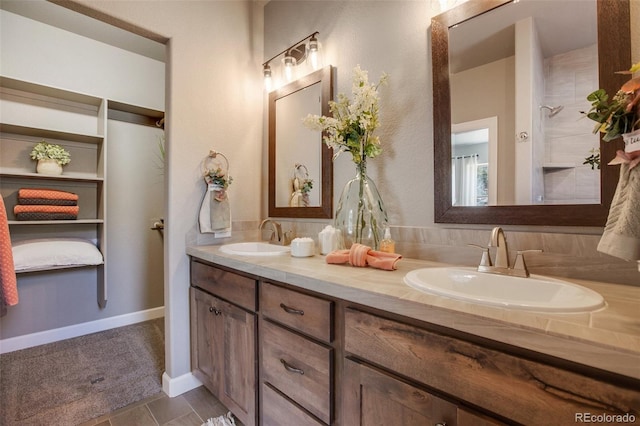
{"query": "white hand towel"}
(214, 216)
(621, 237)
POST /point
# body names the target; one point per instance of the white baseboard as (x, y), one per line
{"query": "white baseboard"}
(49, 336)
(179, 385)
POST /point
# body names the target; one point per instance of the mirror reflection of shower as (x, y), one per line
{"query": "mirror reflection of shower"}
(552, 110)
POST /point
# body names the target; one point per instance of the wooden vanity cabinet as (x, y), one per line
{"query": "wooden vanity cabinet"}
(324, 361)
(502, 385)
(296, 357)
(223, 337)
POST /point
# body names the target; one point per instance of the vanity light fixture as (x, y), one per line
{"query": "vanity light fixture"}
(294, 56)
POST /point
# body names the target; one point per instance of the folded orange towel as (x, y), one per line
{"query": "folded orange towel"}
(46, 193)
(361, 255)
(45, 209)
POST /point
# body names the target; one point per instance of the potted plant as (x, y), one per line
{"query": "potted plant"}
(50, 158)
(619, 116)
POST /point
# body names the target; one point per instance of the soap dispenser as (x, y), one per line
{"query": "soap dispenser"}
(387, 245)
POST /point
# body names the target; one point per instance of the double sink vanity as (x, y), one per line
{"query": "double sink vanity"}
(282, 340)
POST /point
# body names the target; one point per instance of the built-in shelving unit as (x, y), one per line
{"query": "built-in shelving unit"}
(31, 112)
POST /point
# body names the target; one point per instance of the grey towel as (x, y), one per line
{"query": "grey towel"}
(621, 237)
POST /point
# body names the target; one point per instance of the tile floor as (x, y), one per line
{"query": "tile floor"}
(189, 409)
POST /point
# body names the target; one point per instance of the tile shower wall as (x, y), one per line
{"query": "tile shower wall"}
(569, 78)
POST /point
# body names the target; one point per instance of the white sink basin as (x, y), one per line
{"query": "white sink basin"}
(255, 249)
(536, 293)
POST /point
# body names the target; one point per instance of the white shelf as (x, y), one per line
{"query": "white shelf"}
(57, 222)
(558, 166)
(70, 177)
(50, 133)
(57, 268)
(49, 91)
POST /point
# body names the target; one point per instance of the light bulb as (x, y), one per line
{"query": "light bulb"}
(314, 54)
(289, 63)
(268, 82)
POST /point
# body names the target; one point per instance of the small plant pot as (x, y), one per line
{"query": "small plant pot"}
(49, 167)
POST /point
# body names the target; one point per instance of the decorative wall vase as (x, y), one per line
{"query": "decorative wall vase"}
(631, 141)
(360, 215)
(48, 166)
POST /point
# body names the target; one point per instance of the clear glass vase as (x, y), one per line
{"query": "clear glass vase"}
(360, 215)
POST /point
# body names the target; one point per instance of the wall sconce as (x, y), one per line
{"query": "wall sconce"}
(294, 56)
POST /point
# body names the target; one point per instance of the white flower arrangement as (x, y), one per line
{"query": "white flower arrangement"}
(44, 150)
(353, 123)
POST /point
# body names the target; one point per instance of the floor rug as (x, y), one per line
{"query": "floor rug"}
(78, 379)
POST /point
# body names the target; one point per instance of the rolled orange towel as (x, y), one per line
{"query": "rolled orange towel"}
(361, 255)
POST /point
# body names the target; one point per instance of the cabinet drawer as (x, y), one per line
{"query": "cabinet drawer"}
(298, 367)
(278, 411)
(235, 288)
(308, 314)
(520, 389)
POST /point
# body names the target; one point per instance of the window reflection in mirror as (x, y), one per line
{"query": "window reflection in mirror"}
(473, 163)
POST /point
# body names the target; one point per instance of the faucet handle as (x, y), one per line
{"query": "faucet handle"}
(520, 264)
(486, 257)
(288, 236)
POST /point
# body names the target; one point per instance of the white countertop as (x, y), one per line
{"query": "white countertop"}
(608, 339)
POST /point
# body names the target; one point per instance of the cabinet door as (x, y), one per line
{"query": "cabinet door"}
(223, 352)
(204, 338)
(238, 361)
(372, 397)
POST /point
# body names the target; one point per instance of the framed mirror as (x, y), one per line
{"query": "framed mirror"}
(500, 195)
(300, 164)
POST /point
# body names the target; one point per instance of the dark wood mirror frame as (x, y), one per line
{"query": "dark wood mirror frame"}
(614, 54)
(323, 76)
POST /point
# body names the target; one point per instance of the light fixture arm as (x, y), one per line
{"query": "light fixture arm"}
(290, 47)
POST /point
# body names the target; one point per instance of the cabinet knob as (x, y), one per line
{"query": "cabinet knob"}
(290, 368)
(214, 310)
(441, 424)
(290, 310)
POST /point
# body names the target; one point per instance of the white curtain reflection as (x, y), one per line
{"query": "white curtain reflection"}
(464, 185)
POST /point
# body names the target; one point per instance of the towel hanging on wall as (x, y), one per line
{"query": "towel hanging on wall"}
(621, 236)
(215, 213)
(8, 282)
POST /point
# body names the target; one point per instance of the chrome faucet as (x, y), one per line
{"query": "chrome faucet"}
(277, 236)
(501, 266)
